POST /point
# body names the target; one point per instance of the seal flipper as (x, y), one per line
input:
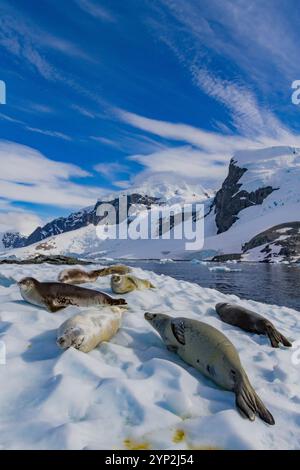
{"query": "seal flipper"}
(275, 337)
(52, 306)
(177, 326)
(55, 309)
(249, 404)
(119, 302)
(172, 348)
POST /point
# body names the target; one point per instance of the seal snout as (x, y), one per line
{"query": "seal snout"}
(149, 316)
(62, 342)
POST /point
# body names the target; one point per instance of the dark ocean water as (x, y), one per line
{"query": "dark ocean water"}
(269, 283)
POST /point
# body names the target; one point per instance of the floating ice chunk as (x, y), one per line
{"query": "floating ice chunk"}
(223, 269)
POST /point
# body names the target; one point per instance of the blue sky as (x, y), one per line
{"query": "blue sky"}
(104, 95)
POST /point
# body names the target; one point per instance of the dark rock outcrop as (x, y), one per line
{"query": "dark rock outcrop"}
(13, 239)
(230, 200)
(279, 241)
(229, 257)
(40, 259)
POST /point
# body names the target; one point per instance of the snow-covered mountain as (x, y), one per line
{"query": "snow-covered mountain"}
(255, 216)
(261, 192)
(76, 234)
(75, 221)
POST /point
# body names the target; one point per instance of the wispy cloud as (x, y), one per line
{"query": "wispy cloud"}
(206, 157)
(95, 10)
(41, 108)
(29, 176)
(31, 46)
(203, 35)
(47, 132)
(83, 111)
(16, 37)
(128, 142)
(4, 117)
(255, 35)
(123, 184)
(187, 162)
(248, 117)
(211, 141)
(59, 135)
(65, 47)
(105, 141)
(111, 169)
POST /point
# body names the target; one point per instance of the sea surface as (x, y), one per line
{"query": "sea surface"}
(270, 283)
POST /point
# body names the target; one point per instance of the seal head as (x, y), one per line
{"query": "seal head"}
(71, 337)
(29, 289)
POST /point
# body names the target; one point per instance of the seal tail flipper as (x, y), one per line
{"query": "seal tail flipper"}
(275, 337)
(152, 286)
(121, 302)
(100, 272)
(249, 404)
(115, 269)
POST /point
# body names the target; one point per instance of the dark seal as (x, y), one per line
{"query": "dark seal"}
(252, 322)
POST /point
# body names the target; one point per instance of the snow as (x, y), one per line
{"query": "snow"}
(132, 392)
(168, 188)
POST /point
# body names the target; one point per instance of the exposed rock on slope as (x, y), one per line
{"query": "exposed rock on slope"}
(279, 243)
(40, 259)
(230, 200)
(13, 239)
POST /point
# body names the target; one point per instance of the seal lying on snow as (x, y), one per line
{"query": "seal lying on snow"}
(209, 351)
(250, 321)
(79, 276)
(125, 284)
(55, 296)
(87, 330)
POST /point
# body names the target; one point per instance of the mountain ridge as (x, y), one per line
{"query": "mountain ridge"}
(260, 192)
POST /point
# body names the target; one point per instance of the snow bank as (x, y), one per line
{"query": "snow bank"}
(132, 392)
